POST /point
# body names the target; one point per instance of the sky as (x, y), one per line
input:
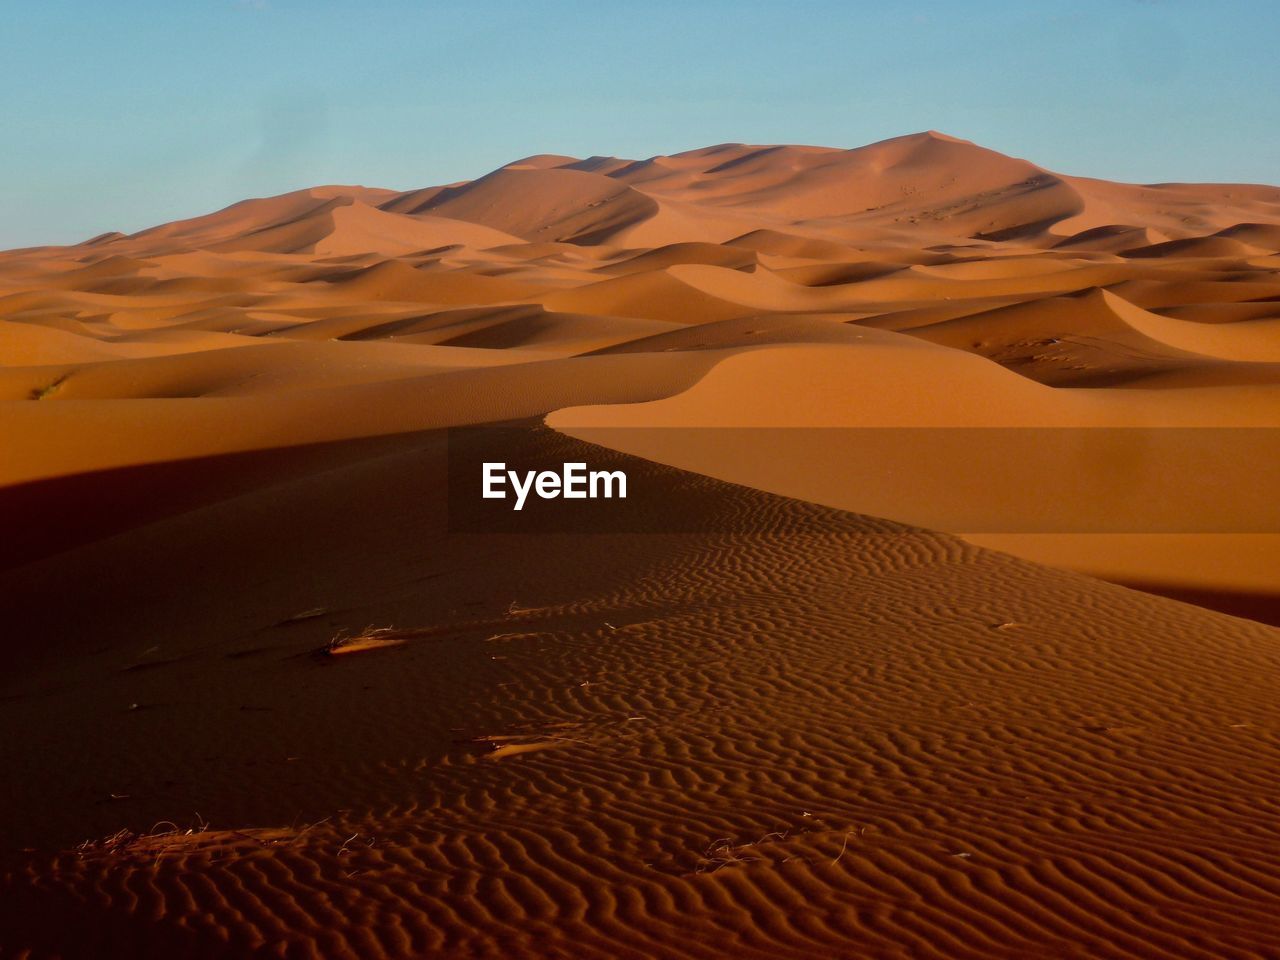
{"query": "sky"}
(122, 115)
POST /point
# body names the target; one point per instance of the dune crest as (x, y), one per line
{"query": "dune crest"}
(808, 692)
(1162, 292)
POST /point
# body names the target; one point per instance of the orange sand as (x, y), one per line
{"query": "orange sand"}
(772, 726)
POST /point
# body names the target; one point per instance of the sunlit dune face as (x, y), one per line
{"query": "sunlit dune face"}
(273, 695)
(342, 312)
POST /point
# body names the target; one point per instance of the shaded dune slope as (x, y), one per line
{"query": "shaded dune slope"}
(535, 769)
(718, 718)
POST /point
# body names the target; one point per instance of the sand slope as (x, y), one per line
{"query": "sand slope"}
(273, 689)
(788, 729)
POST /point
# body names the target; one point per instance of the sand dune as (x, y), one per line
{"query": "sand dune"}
(276, 688)
(1094, 338)
(798, 731)
(1071, 282)
(1249, 341)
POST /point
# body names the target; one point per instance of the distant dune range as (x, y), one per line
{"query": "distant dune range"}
(787, 729)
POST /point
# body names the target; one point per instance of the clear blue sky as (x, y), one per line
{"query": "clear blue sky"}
(123, 114)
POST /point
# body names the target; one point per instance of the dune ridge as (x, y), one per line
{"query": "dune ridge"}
(639, 746)
(273, 688)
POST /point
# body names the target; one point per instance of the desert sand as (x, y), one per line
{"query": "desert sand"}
(857, 671)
